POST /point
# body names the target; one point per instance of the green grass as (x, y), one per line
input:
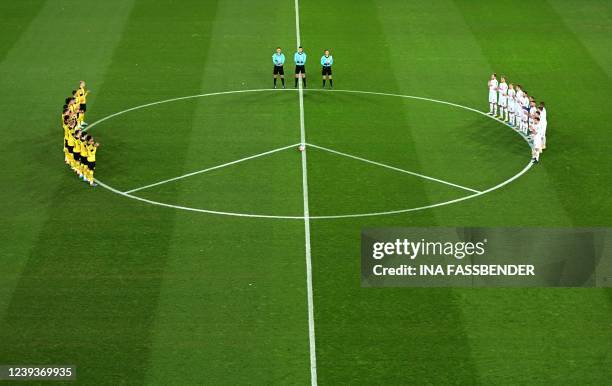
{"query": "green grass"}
(134, 293)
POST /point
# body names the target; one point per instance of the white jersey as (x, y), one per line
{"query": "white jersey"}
(542, 128)
(525, 102)
(518, 100)
(530, 113)
(537, 137)
(543, 114)
(503, 90)
(532, 110)
(493, 84)
(511, 100)
(503, 94)
(493, 90)
(524, 116)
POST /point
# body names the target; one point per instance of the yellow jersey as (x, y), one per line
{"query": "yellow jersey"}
(91, 153)
(72, 120)
(82, 95)
(83, 149)
(77, 145)
(70, 138)
(66, 132)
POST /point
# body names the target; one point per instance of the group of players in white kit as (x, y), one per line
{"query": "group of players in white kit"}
(514, 106)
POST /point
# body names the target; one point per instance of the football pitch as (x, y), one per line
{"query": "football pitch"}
(213, 251)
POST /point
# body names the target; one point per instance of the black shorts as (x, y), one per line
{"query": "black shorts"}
(83, 107)
(278, 70)
(91, 165)
(69, 148)
(77, 157)
(300, 69)
(326, 71)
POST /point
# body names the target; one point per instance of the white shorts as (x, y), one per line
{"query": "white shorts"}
(503, 101)
(511, 105)
(537, 142)
(492, 96)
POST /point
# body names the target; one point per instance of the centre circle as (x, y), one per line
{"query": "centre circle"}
(469, 191)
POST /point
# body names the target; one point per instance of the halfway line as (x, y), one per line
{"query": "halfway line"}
(311, 326)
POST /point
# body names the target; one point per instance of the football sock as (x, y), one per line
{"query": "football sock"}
(331, 82)
(323, 82)
(283, 80)
(274, 82)
(296, 80)
(304, 81)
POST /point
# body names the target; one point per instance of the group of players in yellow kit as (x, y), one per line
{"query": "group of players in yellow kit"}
(79, 147)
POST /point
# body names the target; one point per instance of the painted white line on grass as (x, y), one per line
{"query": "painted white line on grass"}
(331, 217)
(525, 169)
(209, 169)
(311, 326)
(190, 209)
(394, 168)
(172, 100)
(289, 217)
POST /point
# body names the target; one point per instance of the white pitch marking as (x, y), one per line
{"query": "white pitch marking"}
(331, 217)
(311, 326)
(187, 208)
(394, 168)
(171, 100)
(286, 217)
(211, 168)
(525, 169)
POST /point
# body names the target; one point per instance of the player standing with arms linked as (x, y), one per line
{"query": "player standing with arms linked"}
(503, 99)
(300, 66)
(278, 58)
(493, 94)
(326, 62)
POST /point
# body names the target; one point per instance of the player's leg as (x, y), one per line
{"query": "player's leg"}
(274, 80)
(92, 167)
(506, 110)
(85, 171)
(331, 82)
(77, 170)
(83, 109)
(304, 79)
